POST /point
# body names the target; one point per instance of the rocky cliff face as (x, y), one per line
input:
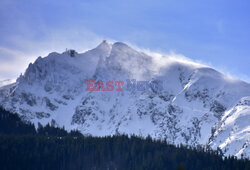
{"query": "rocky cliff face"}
(196, 105)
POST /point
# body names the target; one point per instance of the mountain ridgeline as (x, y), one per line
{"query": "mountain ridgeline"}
(197, 106)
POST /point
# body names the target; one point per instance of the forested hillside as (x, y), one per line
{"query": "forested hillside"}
(49, 147)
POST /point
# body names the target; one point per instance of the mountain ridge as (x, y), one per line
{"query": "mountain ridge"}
(193, 107)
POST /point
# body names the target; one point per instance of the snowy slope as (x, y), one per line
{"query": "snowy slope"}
(196, 105)
(233, 131)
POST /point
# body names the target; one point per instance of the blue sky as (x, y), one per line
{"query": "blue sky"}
(215, 32)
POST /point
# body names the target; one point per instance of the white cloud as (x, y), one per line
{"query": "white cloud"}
(13, 62)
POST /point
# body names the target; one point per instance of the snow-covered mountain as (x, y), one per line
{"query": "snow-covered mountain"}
(196, 105)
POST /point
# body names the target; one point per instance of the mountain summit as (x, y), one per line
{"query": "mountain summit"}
(196, 105)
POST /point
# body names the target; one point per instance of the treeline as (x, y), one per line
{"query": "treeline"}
(51, 147)
(11, 124)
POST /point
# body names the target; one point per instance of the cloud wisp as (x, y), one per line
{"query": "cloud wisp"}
(15, 58)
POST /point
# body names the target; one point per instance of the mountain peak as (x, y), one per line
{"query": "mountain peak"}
(120, 45)
(104, 45)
